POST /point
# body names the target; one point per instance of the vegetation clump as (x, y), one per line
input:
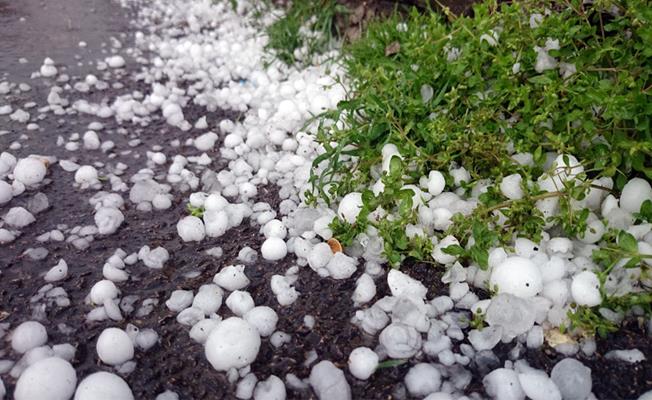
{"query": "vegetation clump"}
(534, 112)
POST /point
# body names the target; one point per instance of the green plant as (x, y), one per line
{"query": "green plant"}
(453, 92)
(195, 211)
(306, 25)
(478, 107)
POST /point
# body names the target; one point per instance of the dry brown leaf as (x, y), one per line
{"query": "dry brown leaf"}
(392, 48)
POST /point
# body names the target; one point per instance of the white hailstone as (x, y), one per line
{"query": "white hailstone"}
(179, 300)
(585, 289)
(29, 171)
(6, 192)
(537, 386)
(191, 229)
(216, 223)
(544, 60)
(6, 236)
(234, 343)
(365, 290)
(282, 289)
(18, 217)
(274, 228)
(423, 379)
(58, 272)
(341, 266)
(208, 299)
(167, 395)
(319, 256)
(103, 386)
(460, 175)
(350, 207)
(102, 291)
(273, 249)
(557, 292)
(441, 218)
(232, 278)
(593, 233)
(329, 382)
(201, 123)
(114, 347)
(154, 259)
(206, 141)
(438, 251)
(503, 384)
(400, 340)
(115, 61)
(240, 302)
(200, 331)
(400, 284)
(272, 388)
(215, 202)
(518, 276)
(321, 227)
(49, 379)
(436, 183)
(146, 339)
(573, 379)
(108, 220)
(190, 316)
(263, 318)
(27, 336)
(161, 202)
(91, 140)
(513, 314)
(486, 338)
(634, 193)
(510, 187)
(245, 388)
(553, 269)
(363, 362)
(645, 248)
(48, 69)
(86, 175)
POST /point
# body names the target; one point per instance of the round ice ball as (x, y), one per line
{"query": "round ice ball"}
(6, 192)
(191, 229)
(86, 174)
(436, 183)
(363, 362)
(103, 386)
(263, 318)
(350, 207)
(29, 171)
(634, 193)
(518, 276)
(27, 336)
(48, 379)
(585, 289)
(273, 228)
(234, 343)
(273, 249)
(572, 378)
(103, 290)
(114, 347)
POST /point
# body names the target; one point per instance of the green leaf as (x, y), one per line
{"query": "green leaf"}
(395, 166)
(390, 364)
(627, 242)
(480, 256)
(454, 250)
(646, 211)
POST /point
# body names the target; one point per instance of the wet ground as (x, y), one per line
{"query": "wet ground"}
(35, 30)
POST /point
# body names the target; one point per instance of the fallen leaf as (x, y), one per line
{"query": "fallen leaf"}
(392, 48)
